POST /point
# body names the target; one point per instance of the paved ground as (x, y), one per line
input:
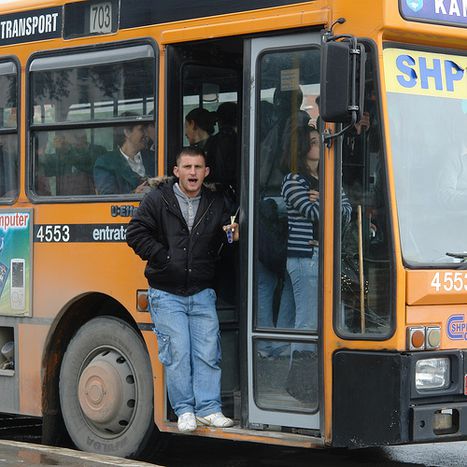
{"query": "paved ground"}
(13, 453)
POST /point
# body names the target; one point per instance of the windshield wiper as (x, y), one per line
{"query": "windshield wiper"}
(462, 255)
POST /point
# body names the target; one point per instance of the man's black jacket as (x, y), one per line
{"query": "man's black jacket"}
(178, 261)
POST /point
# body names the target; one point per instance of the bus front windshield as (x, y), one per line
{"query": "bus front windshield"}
(427, 111)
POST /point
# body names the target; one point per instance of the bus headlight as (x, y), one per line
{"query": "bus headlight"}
(432, 373)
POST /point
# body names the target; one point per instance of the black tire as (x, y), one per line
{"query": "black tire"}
(106, 389)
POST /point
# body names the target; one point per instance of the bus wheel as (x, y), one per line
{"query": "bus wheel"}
(106, 389)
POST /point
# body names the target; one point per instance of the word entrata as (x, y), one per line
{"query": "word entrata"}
(109, 234)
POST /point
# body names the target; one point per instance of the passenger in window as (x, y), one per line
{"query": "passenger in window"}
(69, 167)
(199, 126)
(300, 190)
(178, 230)
(273, 278)
(76, 159)
(126, 169)
(223, 148)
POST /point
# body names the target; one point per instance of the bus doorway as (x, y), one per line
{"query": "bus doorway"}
(204, 96)
(270, 344)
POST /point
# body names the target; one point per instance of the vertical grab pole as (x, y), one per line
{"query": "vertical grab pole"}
(360, 268)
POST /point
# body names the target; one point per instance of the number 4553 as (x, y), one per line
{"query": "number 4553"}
(448, 281)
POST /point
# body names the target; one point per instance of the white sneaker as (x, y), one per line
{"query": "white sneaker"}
(187, 422)
(215, 419)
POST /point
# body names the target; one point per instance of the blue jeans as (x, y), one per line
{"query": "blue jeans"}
(304, 276)
(267, 283)
(188, 338)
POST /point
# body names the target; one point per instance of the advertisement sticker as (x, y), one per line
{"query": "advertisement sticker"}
(15, 262)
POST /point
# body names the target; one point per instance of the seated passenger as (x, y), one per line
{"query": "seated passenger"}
(68, 168)
(126, 169)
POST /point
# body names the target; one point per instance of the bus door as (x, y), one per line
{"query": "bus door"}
(282, 292)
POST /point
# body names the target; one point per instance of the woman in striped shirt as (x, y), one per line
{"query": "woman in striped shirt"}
(300, 190)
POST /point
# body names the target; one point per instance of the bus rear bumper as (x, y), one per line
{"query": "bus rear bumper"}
(439, 422)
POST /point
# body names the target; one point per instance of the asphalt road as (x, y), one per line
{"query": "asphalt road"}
(196, 452)
(188, 451)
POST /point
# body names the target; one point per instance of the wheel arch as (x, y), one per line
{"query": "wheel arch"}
(74, 315)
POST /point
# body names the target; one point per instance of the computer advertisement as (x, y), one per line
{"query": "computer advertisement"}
(15, 262)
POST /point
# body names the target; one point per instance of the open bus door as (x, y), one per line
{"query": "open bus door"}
(263, 385)
(283, 350)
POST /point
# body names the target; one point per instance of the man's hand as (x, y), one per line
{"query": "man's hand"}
(234, 229)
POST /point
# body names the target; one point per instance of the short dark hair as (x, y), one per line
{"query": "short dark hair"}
(203, 119)
(190, 151)
(119, 130)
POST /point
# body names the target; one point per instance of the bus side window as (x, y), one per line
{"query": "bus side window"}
(364, 182)
(78, 98)
(9, 157)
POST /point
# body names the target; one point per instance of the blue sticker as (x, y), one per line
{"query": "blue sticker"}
(415, 5)
(457, 327)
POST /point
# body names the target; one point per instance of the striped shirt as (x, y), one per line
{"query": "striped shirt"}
(303, 215)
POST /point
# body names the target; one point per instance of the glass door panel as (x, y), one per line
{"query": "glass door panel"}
(283, 251)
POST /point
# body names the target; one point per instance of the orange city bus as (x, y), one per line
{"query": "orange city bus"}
(384, 82)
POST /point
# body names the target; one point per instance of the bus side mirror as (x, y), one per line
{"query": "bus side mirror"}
(342, 81)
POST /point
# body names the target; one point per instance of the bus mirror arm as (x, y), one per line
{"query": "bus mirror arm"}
(328, 137)
(342, 86)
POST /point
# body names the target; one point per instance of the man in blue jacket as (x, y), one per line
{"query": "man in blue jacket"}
(179, 229)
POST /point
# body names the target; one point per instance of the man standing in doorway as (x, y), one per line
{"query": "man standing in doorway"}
(179, 229)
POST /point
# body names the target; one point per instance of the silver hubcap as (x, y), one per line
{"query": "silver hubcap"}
(107, 392)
